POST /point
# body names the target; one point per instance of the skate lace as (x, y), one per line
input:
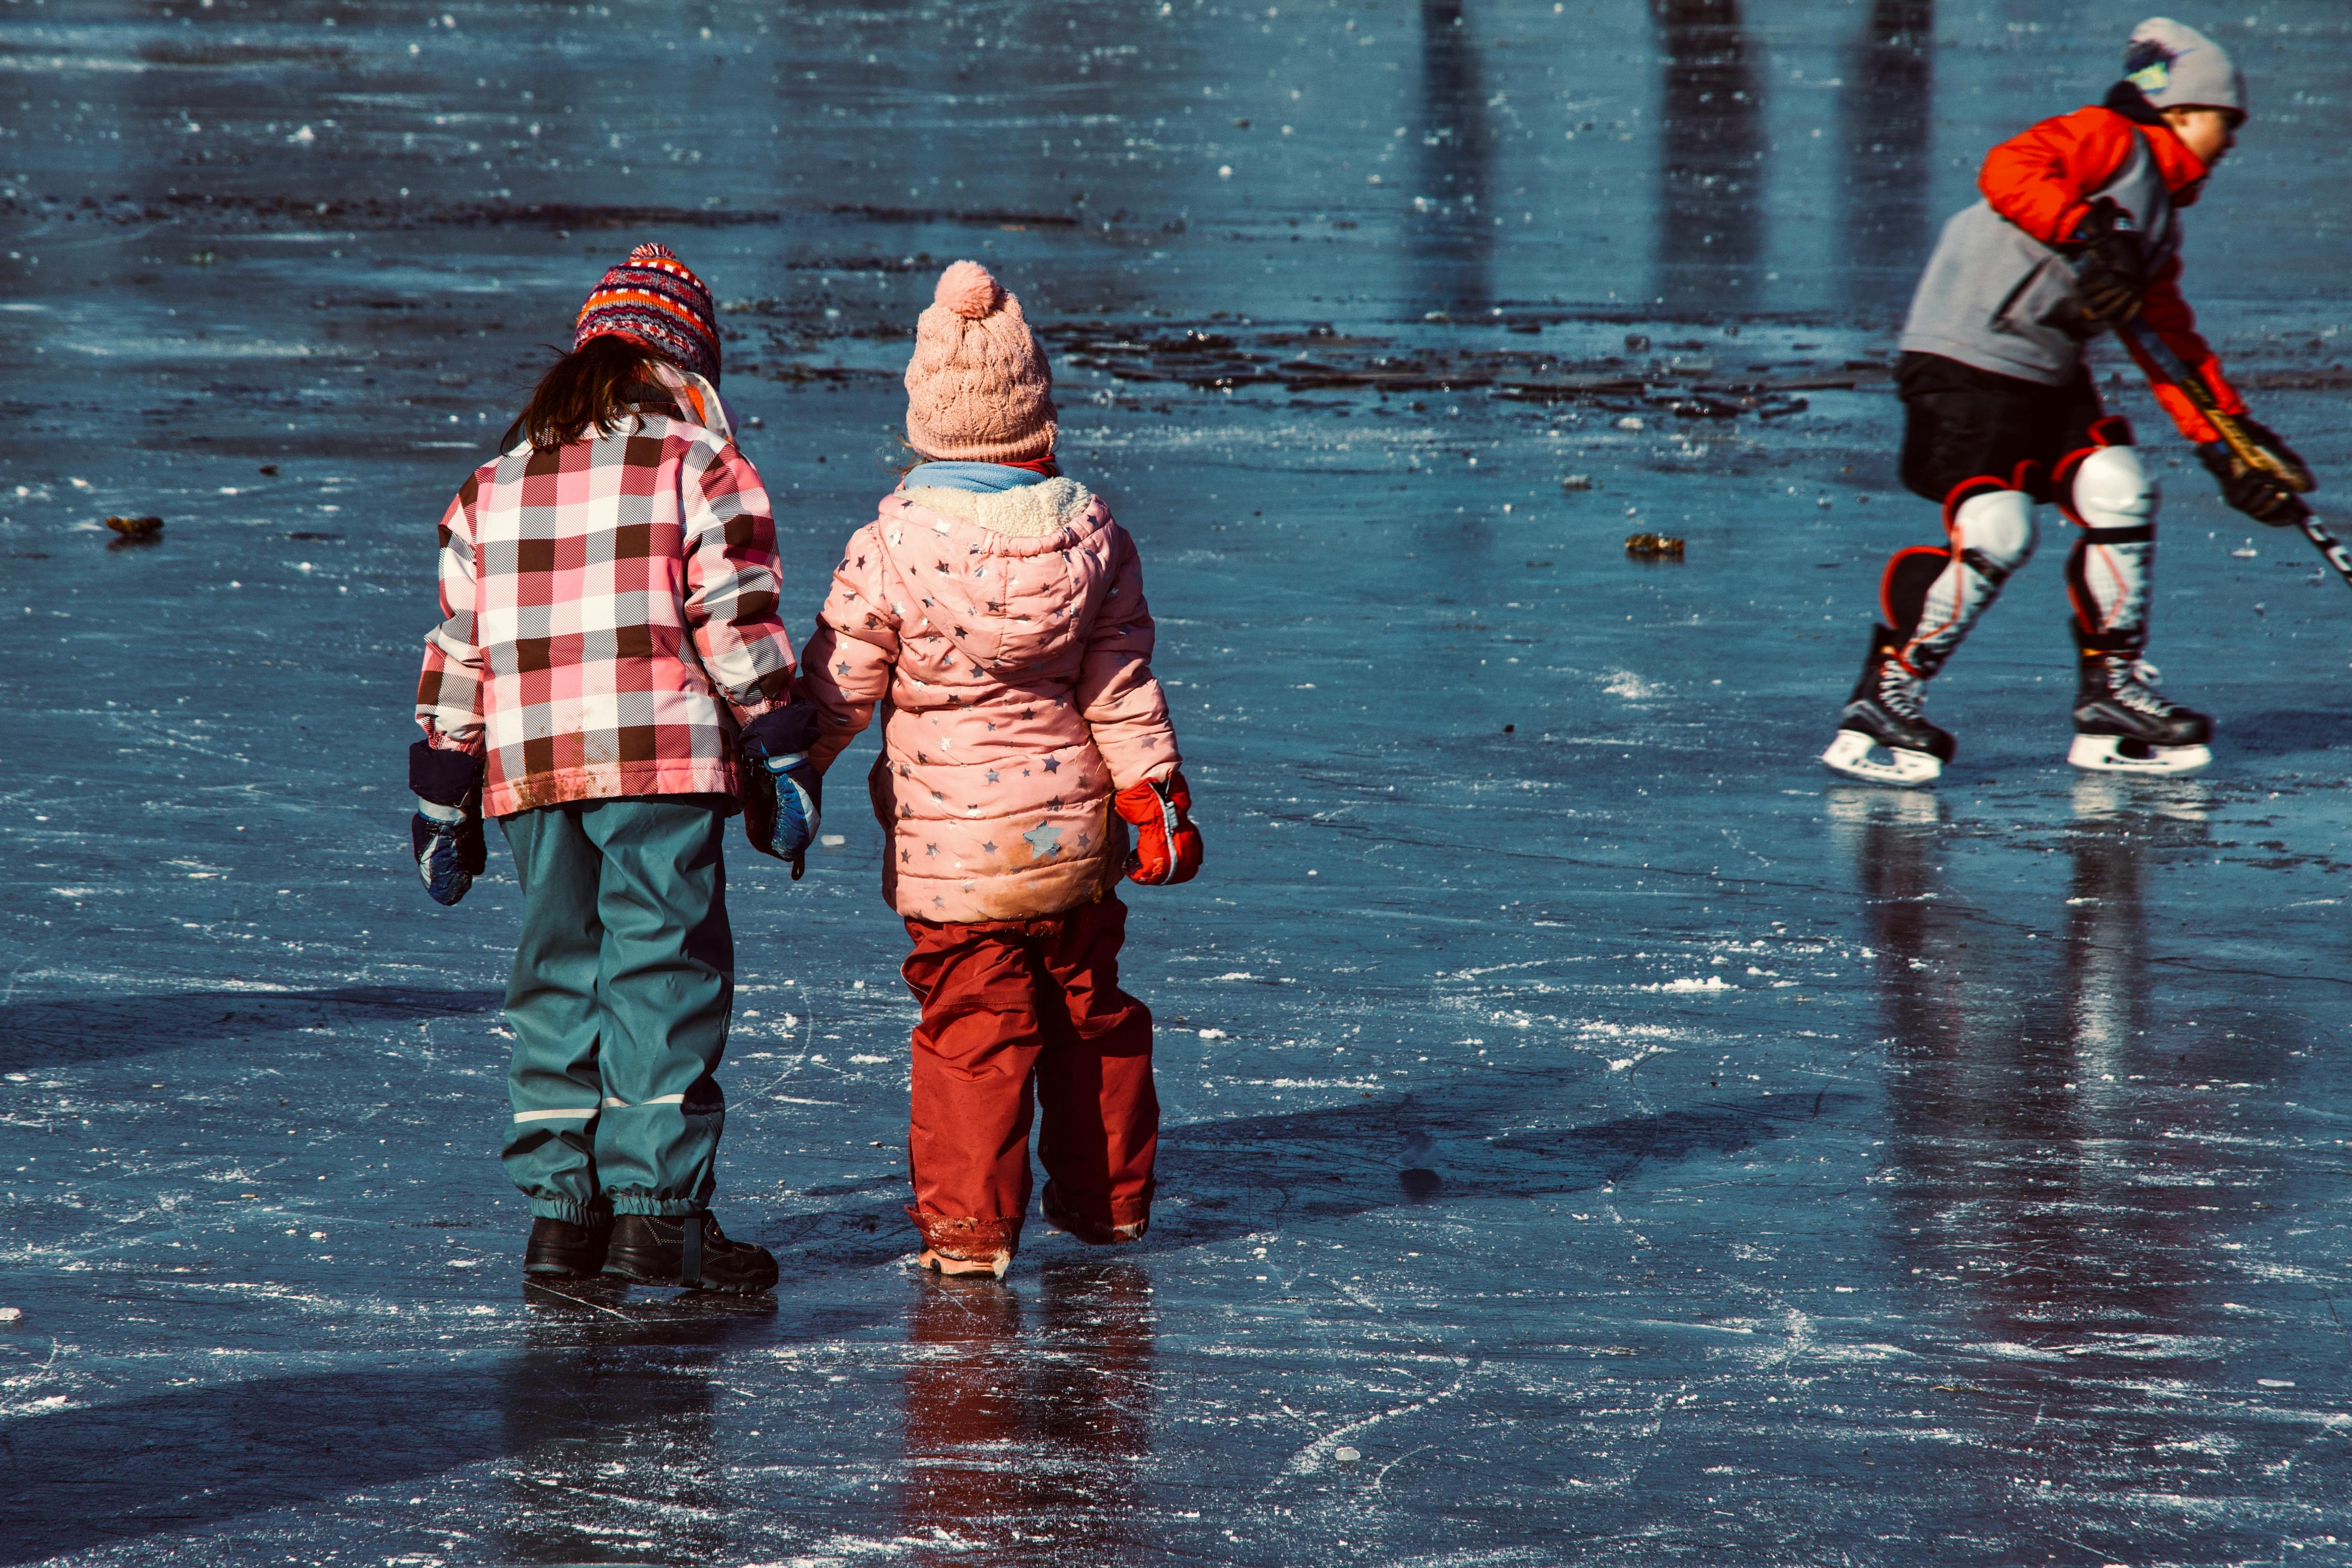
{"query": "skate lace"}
(1899, 691)
(2133, 685)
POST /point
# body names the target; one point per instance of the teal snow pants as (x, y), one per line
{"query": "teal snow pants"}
(622, 987)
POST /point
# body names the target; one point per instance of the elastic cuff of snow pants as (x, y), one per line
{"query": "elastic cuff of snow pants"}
(660, 1208)
(967, 1240)
(587, 1216)
(1128, 1218)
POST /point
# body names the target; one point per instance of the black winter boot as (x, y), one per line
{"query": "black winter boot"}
(687, 1251)
(559, 1246)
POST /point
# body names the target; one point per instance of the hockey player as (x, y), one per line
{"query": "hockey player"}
(2078, 232)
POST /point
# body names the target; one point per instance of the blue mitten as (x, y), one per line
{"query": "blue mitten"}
(446, 834)
(782, 794)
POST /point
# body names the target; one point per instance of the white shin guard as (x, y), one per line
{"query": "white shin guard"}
(1994, 535)
(2115, 500)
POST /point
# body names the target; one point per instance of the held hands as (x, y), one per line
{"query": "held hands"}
(2267, 494)
(445, 833)
(2113, 277)
(1166, 845)
(782, 789)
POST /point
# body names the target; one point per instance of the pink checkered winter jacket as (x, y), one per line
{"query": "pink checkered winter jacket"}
(608, 616)
(1009, 637)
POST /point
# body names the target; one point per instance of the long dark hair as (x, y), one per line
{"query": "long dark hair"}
(592, 386)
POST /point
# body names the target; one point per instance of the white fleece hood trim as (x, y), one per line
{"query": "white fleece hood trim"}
(1026, 511)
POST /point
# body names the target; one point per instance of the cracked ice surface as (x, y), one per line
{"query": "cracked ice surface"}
(1601, 1140)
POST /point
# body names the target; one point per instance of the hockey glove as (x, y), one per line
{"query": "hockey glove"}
(2259, 493)
(445, 833)
(2290, 465)
(2112, 278)
(782, 794)
(1166, 845)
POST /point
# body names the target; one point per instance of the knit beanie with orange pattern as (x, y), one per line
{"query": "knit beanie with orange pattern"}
(655, 299)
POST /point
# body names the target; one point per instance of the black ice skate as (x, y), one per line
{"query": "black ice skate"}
(2122, 723)
(1883, 736)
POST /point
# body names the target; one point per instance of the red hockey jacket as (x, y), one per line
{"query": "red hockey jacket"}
(1997, 294)
(2042, 181)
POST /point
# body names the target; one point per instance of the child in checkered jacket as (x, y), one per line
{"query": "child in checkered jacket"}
(610, 681)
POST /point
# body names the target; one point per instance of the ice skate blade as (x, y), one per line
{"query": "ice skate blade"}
(1850, 754)
(2118, 755)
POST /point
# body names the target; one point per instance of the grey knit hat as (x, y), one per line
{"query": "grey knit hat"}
(2176, 66)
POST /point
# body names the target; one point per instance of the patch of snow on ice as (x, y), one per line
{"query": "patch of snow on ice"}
(1632, 688)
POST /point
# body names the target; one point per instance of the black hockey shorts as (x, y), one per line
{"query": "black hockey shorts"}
(1960, 422)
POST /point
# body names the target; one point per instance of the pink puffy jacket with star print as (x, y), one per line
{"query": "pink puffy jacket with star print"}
(1008, 636)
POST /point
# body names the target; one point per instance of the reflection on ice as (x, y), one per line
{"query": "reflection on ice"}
(609, 1416)
(1710, 220)
(1452, 228)
(1028, 1424)
(1887, 115)
(2025, 1169)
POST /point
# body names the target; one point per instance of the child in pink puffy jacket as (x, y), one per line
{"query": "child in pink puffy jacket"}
(997, 611)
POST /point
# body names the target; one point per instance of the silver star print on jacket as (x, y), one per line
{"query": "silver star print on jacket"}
(1018, 688)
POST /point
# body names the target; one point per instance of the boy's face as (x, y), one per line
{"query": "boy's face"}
(2207, 132)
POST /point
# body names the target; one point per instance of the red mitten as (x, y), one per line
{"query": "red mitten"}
(1166, 845)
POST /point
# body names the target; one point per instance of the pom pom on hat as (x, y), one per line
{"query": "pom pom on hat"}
(978, 388)
(967, 289)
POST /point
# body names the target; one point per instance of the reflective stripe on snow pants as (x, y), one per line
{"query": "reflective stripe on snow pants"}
(622, 982)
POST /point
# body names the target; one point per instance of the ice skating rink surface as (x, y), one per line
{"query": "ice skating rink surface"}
(1592, 1135)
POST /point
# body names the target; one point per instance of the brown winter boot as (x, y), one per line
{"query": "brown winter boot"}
(1061, 1218)
(687, 1251)
(993, 1266)
(562, 1248)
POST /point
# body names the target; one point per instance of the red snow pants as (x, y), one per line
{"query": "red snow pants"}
(1009, 1005)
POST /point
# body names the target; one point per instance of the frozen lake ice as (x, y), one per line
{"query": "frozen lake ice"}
(1593, 1135)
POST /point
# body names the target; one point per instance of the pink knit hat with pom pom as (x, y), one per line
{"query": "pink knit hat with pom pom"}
(978, 389)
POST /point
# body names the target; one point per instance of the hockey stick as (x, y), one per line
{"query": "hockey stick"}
(2156, 357)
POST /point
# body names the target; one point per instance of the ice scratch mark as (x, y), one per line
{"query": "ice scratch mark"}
(1319, 1454)
(540, 1287)
(1312, 1458)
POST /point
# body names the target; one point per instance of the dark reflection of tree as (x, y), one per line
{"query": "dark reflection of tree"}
(1449, 232)
(1025, 1441)
(1710, 246)
(2026, 1172)
(1889, 92)
(609, 1416)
